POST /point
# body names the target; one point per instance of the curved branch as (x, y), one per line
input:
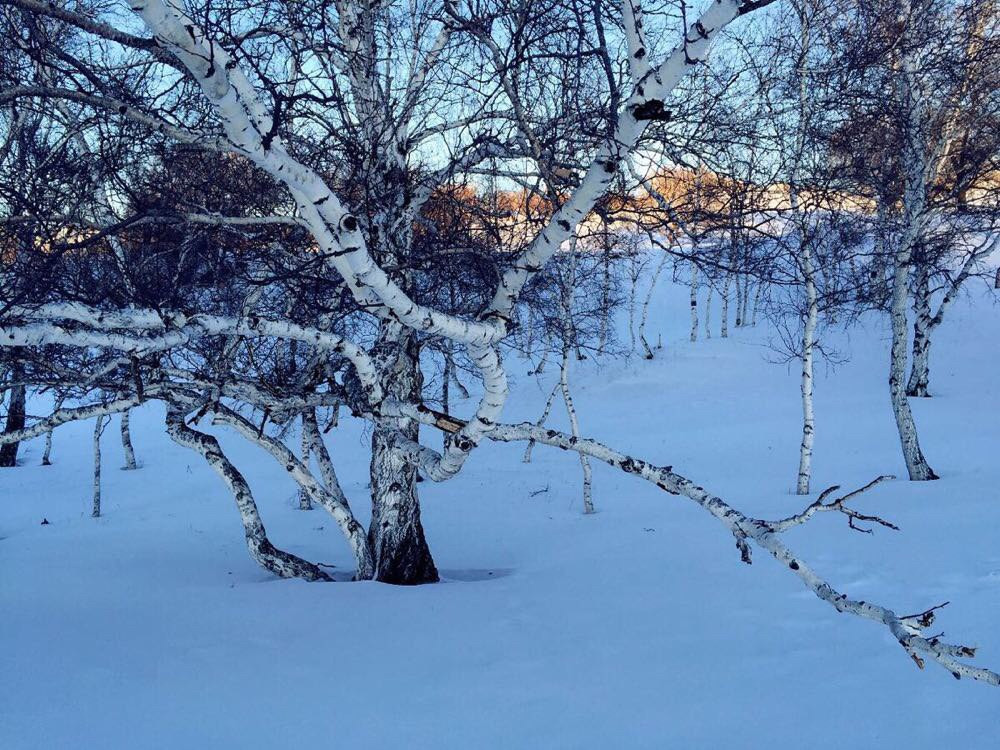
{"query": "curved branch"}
(277, 561)
(906, 629)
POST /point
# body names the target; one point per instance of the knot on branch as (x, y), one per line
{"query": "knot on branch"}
(651, 110)
(743, 546)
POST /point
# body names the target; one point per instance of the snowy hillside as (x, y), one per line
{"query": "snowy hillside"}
(635, 627)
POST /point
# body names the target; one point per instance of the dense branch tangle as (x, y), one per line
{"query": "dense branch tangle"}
(254, 132)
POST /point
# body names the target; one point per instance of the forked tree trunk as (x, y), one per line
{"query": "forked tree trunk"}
(328, 493)
(130, 463)
(915, 216)
(916, 465)
(396, 535)
(279, 562)
(926, 322)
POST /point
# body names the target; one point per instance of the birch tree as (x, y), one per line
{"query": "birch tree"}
(331, 126)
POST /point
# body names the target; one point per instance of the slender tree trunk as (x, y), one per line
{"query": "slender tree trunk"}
(541, 365)
(631, 312)
(279, 562)
(463, 392)
(739, 303)
(15, 419)
(744, 308)
(724, 329)
(756, 302)
(602, 339)
(47, 453)
(569, 337)
(916, 464)
(708, 311)
(808, 342)
(694, 301)
(445, 396)
(396, 535)
(648, 353)
(305, 446)
(355, 536)
(130, 463)
(96, 505)
(922, 323)
(883, 256)
(588, 501)
(541, 420)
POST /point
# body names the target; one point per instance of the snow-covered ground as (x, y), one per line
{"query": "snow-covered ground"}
(637, 627)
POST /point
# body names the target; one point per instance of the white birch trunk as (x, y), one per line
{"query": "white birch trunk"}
(808, 342)
(569, 337)
(396, 534)
(95, 510)
(916, 386)
(526, 458)
(724, 327)
(329, 494)
(47, 453)
(588, 501)
(915, 169)
(648, 353)
(602, 338)
(279, 562)
(739, 303)
(352, 529)
(744, 308)
(916, 464)
(708, 311)
(694, 301)
(126, 433)
(305, 445)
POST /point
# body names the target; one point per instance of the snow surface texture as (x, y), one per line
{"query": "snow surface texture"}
(636, 627)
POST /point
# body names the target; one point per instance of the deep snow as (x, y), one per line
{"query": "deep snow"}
(636, 627)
